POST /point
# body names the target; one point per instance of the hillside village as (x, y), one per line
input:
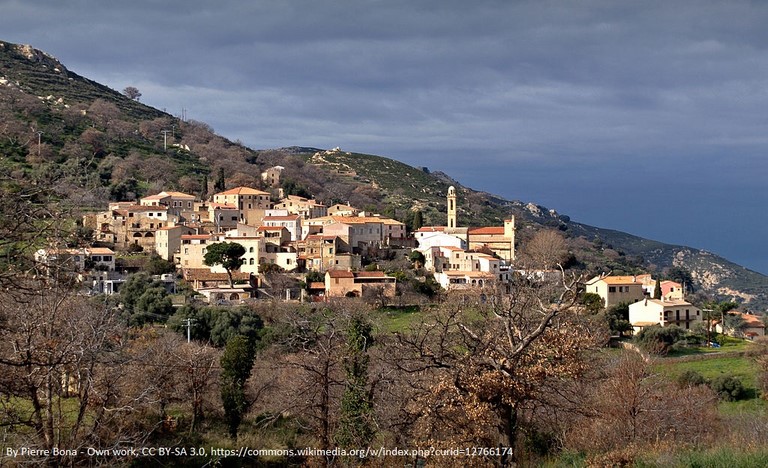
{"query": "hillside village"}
(304, 302)
(297, 235)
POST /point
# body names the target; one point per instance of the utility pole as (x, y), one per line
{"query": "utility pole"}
(165, 139)
(188, 322)
(39, 141)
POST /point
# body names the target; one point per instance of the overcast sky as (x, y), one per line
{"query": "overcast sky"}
(648, 117)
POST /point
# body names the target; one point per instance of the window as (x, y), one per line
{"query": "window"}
(611, 289)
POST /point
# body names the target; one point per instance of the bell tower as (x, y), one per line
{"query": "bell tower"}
(451, 207)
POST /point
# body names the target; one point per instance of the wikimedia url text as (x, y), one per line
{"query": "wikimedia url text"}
(248, 452)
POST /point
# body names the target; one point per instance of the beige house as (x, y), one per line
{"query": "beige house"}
(176, 202)
(192, 250)
(319, 252)
(168, 240)
(342, 210)
(292, 223)
(304, 207)
(451, 279)
(203, 278)
(457, 269)
(617, 289)
(191, 253)
(271, 176)
(499, 239)
(650, 312)
(123, 225)
(252, 203)
(754, 326)
(395, 232)
(340, 283)
(357, 232)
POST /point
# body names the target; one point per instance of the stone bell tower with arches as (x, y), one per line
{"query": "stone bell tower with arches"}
(451, 207)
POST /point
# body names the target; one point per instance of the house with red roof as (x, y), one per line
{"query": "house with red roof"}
(617, 289)
(753, 326)
(342, 283)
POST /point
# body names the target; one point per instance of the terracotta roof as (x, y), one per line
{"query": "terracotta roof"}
(340, 274)
(319, 237)
(431, 229)
(623, 279)
(355, 219)
(100, 251)
(487, 231)
(391, 222)
(316, 285)
(147, 208)
(180, 195)
(204, 274)
(280, 218)
(270, 228)
(753, 321)
(370, 274)
(242, 191)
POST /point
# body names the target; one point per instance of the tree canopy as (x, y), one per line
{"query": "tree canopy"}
(228, 255)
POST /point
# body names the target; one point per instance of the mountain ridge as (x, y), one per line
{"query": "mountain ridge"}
(97, 144)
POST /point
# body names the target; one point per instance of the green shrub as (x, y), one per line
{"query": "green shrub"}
(728, 388)
(690, 378)
(659, 340)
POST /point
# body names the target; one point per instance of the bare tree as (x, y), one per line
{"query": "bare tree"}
(54, 346)
(307, 358)
(472, 369)
(545, 250)
(631, 406)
